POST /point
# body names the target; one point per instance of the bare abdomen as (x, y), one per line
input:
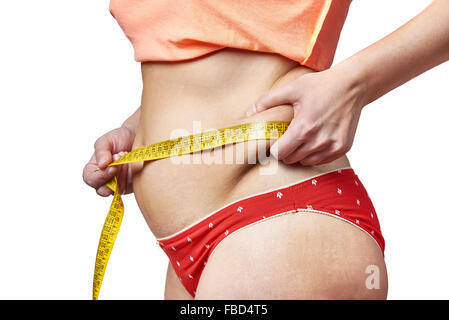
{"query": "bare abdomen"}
(209, 93)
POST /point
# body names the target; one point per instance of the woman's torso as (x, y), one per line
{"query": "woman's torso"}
(212, 92)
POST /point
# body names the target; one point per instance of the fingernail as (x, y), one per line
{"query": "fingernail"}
(274, 150)
(110, 169)
(251, 110)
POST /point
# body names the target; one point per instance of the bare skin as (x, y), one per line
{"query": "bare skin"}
(290, 257)
(295, 256)
(217, 89)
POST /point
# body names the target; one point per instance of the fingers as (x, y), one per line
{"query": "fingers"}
(104, 191)
(286, 94)
(327, 155)
(122, 174)
(310, 151)
(288, 142)
(103, 151)
(119, 173)
(97, 173)
(97, 178)
(318, 158)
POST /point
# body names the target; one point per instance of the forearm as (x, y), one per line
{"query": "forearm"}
(416, 47)
(133, 121)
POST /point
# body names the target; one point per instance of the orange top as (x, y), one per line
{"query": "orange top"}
(306, 31)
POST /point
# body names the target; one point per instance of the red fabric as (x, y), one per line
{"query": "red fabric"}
(338, 193)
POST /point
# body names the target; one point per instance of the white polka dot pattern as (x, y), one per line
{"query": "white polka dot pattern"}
(338, 193)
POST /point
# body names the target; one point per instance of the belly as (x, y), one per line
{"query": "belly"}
(211, 92)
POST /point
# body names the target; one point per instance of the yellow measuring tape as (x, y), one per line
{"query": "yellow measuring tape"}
(169, 148)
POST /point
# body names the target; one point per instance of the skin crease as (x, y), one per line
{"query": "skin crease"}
(330, 257)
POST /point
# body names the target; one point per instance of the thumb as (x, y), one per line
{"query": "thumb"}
(285, 94)
(103, 152)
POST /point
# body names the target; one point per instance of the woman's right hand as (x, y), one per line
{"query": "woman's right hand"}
(109, 148)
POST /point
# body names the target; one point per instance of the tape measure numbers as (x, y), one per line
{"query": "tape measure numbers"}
(169, 148)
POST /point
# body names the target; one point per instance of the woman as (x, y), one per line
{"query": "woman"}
(218, 64)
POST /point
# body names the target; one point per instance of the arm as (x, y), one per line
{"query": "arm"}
(327, 104)
(416, 47)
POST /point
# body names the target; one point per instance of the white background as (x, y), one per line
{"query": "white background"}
(67, 76)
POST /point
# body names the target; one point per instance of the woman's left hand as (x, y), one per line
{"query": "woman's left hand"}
(326, 109)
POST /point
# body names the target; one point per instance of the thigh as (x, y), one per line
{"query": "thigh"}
(295, 256)
(174, 290)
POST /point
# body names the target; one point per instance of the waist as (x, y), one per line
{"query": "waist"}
(212, 92)
(215, 90)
